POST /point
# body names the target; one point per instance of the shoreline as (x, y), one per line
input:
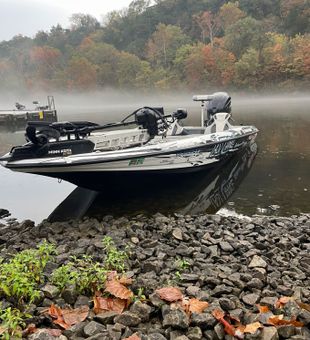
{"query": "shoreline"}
(234, 264)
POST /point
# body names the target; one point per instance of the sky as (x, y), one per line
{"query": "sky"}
(27, 17)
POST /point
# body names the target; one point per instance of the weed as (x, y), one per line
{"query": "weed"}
(140, 296)
(115, 259)
(21, 275)
(12, 323)
(181, 265)
(86, 275)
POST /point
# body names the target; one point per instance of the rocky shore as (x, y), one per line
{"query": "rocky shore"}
(235, 265)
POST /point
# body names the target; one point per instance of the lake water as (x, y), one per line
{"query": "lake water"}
(276, 182)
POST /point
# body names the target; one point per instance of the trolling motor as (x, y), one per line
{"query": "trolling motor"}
(212, 104)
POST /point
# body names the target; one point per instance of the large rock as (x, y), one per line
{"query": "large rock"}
(142, 310)
(257, 261)
(269, 333)
(176, 318)
(93, 328)
(128, 319)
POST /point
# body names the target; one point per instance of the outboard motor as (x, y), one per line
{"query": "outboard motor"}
(148, 119)
(219, 102)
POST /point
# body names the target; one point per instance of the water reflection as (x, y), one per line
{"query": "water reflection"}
(205, 191)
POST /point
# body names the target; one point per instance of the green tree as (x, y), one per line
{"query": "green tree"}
(245, 33)
(260, 9)
(163, 44)
(229, 14)
(247, 69)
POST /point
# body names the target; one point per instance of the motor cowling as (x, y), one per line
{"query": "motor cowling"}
(220, 102)
(148, 119)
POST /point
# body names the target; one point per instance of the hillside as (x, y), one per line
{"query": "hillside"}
(172, 44)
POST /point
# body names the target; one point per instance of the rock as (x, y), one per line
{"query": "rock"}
(42, 335)
(177, 234)
(50, 291)
(250, 299)
(255, 283)
(283, 290)
(304, 316)
(225, 246)
(156, 300)
(257, 261)
(269, 333)
(182, 337)
(115, 331)
(219, 331)
(75, 330)
(106, 317)
(69, 294)
(128, 319)
(176, 318)
(194, 333)
(142, 310)
(82, 300)
(193, 290)
(268, 301)
(93, 328)
(203, 320)
(189, 278)
(227, 304)
(286, 331)
(220, 290)
(156, 336)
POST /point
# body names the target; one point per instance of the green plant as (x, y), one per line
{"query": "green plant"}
(21, 275)
(86, 275)
(181, 265)
(140, 296)
(12, 323)
(115, 259)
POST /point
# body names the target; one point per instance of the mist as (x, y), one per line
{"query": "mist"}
(112, 105)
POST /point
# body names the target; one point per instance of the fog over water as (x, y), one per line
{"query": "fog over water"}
(278, 183)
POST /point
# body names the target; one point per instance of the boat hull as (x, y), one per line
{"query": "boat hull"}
(97, 172)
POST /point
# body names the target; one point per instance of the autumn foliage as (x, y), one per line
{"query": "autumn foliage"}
(172, 45)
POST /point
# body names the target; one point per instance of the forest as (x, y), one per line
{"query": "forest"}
(168, 45)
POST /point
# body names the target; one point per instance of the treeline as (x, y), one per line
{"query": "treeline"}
(172, 44)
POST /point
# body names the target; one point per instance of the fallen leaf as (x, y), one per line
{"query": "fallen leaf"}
(74, 316)
(133, 337)
(219, 315)
(305, 306)
(2, 330)
(278, 320)
(283, 301)
(118, 290)
(263, 309)
(252, 327)
(109, 304)
(170, 294)
(54, 311)
(66, 318)
(125, 280)
(197, 306)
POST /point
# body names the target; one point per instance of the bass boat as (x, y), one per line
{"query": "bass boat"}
(145, 144)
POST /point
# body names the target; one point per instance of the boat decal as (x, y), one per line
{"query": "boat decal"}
(221, 148)
(64, 152)
(136, 161)
(194, 153)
